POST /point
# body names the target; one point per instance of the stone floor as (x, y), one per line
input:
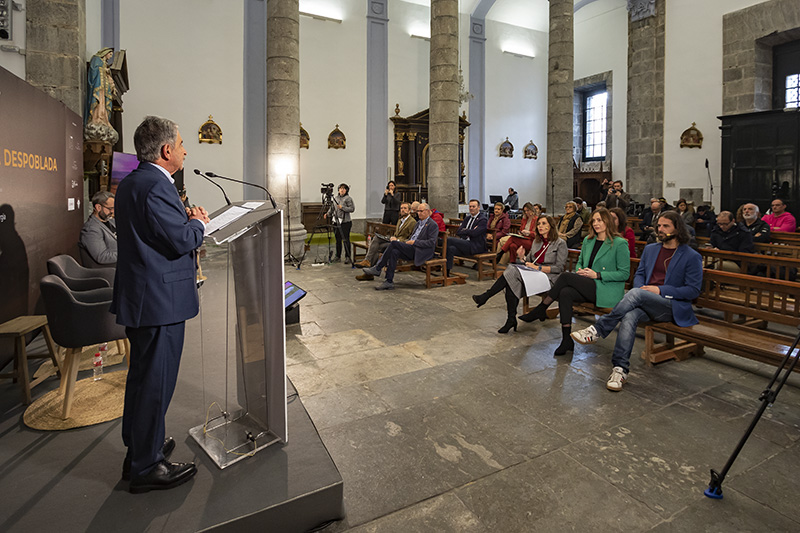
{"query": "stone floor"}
(439, 423)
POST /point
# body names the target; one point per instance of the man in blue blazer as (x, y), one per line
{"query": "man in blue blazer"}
(674, 274)
(155, 291)
(471, 236)
(420, 247)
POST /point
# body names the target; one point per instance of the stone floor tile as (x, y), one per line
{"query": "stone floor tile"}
(342, 405)
(349, 369)
(341, 343)
(393, 460)
(442, 514)
(663, 458)
(553, 493)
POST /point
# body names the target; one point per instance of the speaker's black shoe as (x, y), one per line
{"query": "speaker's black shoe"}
(164, 476)
(167, 449)
(567, 345)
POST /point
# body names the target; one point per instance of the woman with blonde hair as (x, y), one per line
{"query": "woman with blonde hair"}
(599, 278)
(571, 225)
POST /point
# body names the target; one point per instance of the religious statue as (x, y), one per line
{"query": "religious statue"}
(100, 92)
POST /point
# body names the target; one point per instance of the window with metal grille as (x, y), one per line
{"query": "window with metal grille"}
(594, 126)
(793, 90)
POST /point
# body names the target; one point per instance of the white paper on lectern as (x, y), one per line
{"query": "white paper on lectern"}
(220, 221)
(252, 205)
(536, 281)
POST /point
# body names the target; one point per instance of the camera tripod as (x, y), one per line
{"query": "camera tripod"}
(321, 224)
(767, 398)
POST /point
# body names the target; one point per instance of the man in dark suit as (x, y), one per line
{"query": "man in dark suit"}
(155, 291)
(419, 247)
(669, 277)
(471, 236)
(99, 233)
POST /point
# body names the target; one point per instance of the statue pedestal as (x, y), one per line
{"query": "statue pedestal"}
(97, 159)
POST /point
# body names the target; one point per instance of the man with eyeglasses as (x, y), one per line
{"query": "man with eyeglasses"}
(729, 235)
(99, 233)
(419, 248)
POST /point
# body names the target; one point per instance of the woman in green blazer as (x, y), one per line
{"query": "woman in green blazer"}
(600, 275)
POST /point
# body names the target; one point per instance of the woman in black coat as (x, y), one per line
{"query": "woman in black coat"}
(391, 202)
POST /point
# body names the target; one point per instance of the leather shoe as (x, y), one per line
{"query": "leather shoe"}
(372, 271)
(163, 476)
(167, 449)
(365, 277)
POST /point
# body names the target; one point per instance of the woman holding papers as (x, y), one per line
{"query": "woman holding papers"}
(507, 246)
(601, 272)
(542, 265)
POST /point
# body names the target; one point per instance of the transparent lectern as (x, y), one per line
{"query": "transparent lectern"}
(244, 374)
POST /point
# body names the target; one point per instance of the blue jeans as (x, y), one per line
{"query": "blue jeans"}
(637, 305)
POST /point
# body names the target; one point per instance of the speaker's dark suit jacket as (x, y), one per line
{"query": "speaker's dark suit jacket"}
(155, 283)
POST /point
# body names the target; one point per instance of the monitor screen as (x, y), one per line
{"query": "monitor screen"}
(291, 294)
(493, 199)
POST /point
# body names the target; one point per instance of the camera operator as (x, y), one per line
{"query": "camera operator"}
(339, 215)
(616, 197)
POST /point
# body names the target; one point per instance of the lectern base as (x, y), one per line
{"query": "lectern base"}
(229, 441)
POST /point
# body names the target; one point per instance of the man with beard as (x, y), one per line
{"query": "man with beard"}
(673, 274)
(99, 233)
(753, 223)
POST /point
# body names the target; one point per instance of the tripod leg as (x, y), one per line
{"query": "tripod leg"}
(767, 398)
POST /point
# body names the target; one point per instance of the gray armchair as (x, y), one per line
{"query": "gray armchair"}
(78, 319)
(78, 278)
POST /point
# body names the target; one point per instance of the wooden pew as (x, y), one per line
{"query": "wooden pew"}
(360, 247)
(784, 237)
(486, 262)
(771, 266)
(759, 300)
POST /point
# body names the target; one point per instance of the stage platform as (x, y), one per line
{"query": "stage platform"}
(70, 481)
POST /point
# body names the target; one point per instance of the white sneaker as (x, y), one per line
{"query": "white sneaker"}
(616, 379)
(586, 336)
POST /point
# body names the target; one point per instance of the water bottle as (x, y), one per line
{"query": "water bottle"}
(97, 364)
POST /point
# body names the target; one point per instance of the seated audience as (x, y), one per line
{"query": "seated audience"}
(730, 235)
(548, 255)
(419, 248)
(538, 209)
(621, 221)
(704, 220)
(438, 218)
(571, 225)
(99, 233)
(512, 200)
(499, 222)
(602, 269)
(583, 210)
(751, 220)
(668, 278)
(470, 238)
(616, 197)
(508, 246)
(780, 219)
(413, 209)
(649, 217)
(402, 232)
(686, 212)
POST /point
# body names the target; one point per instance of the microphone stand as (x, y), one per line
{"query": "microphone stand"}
(227, 200)
(710, 186)
(271, 199)
(289, 257)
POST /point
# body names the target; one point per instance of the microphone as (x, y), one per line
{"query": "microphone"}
(706, 162)
(215, 183)
(271, 199)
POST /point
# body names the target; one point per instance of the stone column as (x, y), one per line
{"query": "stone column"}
(645, 140)
(443, 168)
(560, 89)
(283, 114)
(56, 49)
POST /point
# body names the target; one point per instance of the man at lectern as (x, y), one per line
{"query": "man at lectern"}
(154, 294)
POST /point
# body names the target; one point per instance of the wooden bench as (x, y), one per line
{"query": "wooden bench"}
(768, 248)
(486, 262)
(760, 300)
(771, 266)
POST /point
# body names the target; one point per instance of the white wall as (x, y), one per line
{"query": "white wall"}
(601, 45)
(516, 107)
(93, 27)
(693, 91)
(333, 91)
(13, 61)
(185, 63)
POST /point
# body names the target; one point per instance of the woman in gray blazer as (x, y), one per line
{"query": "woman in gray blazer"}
(548, 254)
(339, 215)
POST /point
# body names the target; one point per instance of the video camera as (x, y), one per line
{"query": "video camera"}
(327, 189)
